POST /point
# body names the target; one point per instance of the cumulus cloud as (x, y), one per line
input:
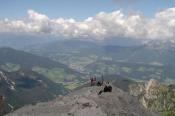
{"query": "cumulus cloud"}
(101, 26)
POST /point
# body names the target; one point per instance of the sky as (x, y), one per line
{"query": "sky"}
(95, 19)
(79, 9)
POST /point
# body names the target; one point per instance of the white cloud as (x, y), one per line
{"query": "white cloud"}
(36, 16)
(101, 26)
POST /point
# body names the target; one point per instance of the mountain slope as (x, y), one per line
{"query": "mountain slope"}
(26, 78)
(27, 87)
(12, 60)
(86, 102)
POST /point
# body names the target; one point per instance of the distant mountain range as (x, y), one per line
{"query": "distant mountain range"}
(19, 41)
(152, 59)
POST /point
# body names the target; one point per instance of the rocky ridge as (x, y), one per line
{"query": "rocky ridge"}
(87, 102)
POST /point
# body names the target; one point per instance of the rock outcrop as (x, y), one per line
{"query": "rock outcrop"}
(87, 102)
(154, 96)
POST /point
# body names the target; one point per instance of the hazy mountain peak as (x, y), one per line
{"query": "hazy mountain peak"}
(160, 44)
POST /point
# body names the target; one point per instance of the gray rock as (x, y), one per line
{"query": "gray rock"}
(87, 102)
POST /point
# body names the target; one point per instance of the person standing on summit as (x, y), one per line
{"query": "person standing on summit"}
(94, 81)
(91, 79)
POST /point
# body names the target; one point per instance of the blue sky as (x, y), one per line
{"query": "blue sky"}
(152, 19)
(79, 9)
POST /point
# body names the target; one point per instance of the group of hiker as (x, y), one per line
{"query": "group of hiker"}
(107, 86)
(93, 81)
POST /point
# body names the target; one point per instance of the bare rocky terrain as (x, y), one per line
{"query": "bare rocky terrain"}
(87, 102)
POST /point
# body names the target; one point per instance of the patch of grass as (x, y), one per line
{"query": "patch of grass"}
(10, 67)
(126, 69)
(141, 69)
(73, 85)
(168, 113)
(57, 75)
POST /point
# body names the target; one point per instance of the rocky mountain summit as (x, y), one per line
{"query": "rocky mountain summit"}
(87, 102)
